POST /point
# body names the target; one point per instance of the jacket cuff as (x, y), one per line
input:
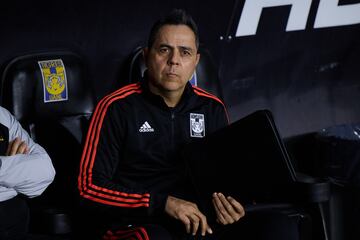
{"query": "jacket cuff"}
(157, 204)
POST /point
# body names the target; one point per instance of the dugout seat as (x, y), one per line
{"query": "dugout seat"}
(50, 94)
(334, 153)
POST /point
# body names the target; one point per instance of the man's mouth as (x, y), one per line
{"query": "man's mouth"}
(171, 74)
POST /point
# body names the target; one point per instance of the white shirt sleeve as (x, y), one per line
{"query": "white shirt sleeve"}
(29, 174)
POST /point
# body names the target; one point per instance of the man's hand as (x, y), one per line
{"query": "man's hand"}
(189, 214)
(17, 147)
(227, 209)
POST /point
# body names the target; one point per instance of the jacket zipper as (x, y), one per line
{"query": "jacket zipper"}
(172, 128)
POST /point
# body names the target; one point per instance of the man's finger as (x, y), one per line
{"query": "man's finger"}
(13, 146)
(220, 218)
(203, 223)
(237, 206)
(186, 222)
(220, 201)
(194, 223)
(22, 148)
(209, 230)
(228, 207)
(8, 150)
(225, 203)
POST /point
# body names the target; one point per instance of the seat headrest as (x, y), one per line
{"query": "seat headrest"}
(53, 84)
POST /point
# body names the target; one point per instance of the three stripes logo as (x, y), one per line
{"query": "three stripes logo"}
(146, 127)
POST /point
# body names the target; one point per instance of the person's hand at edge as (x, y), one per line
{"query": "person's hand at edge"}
(17, 147)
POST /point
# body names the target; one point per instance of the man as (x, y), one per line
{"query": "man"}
(131, 172)
(25, 171)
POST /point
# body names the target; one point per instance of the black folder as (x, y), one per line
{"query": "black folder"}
(247, 160)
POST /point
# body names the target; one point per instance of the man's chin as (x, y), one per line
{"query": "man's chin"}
(172, 86)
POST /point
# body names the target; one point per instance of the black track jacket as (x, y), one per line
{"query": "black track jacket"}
(130, 162)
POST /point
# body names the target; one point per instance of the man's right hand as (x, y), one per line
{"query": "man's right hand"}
(188, 213)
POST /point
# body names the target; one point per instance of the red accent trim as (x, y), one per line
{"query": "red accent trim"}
(126, 200)
(117, 204)
(133, 195)
(143, 230)
(115, 198)
(90, 135)
(202, 92)
(126, 234)
(93, 123)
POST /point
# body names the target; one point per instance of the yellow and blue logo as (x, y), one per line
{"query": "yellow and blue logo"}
(54, 80)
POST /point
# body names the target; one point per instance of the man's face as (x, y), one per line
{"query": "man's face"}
(172, 59)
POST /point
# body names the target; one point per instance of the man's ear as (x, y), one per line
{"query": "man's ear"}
(197, 58)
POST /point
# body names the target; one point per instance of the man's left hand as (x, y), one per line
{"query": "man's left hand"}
(227, 209)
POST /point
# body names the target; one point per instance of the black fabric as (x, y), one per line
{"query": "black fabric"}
(147, 162)
(4, 139)
(266, 225)
(14, 218)
(246, 160)
(263, 225)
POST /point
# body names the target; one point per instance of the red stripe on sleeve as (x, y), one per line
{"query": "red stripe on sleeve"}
(90, 135)
(86, 187)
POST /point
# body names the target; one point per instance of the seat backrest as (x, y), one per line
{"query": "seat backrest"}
(46, 85)
(206, 74)
(50, 94)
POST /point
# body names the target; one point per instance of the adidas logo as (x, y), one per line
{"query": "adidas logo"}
(146, 127)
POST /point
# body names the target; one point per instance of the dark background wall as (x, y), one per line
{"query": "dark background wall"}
(309, 78)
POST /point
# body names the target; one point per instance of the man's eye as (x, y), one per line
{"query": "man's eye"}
(186, 53)
(163, 50)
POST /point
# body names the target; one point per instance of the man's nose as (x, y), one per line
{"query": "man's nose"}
(174, 58)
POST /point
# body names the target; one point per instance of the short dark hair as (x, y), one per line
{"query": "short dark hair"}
(176, 17)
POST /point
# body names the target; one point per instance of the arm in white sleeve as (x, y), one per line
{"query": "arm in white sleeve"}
(29, 174)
